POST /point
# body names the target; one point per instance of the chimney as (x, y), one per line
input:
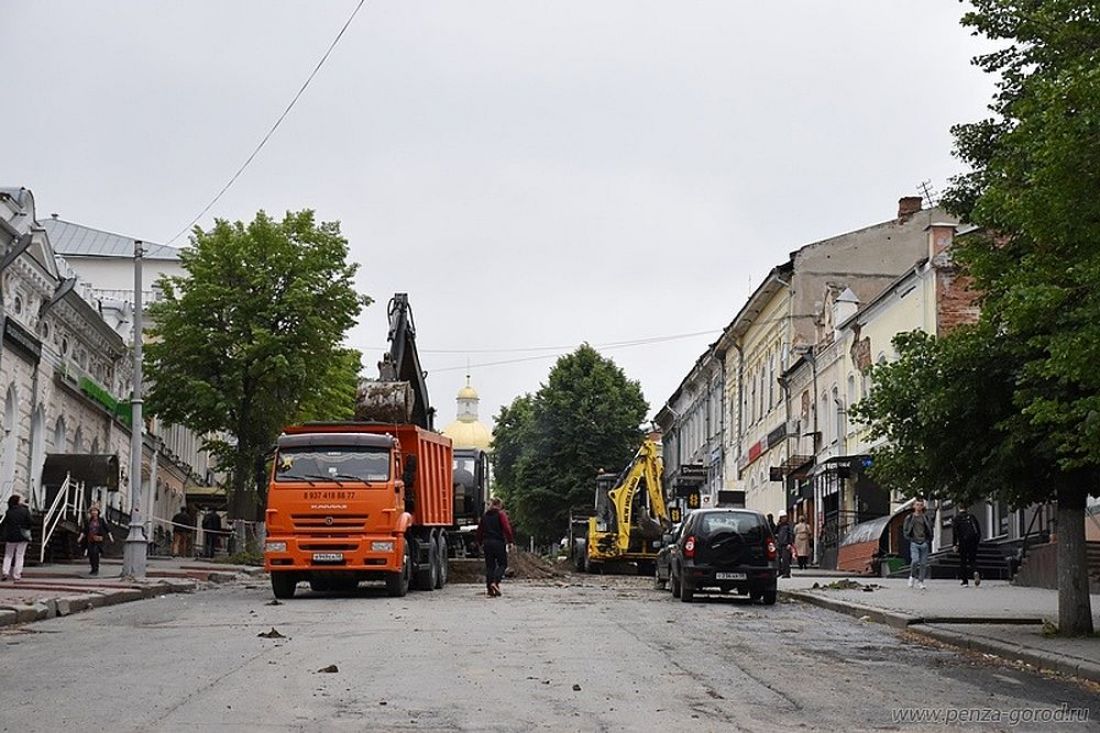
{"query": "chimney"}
(940, 237)
(907, 206)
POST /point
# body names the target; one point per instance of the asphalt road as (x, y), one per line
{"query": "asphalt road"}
(605, 655)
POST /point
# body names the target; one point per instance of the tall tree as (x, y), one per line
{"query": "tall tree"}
(1035, 185)
(1025, 421)
(549, 447)
(250, 339)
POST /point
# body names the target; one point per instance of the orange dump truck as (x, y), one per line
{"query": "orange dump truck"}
(356, 501)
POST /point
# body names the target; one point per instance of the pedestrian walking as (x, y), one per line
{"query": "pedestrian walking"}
(784, 539)
(803, 535)
(212, 525)
(918, 530)
(15, 529)
(93, 533)
(771, 524)
(494, 534)
(967, 533)
(182, 528)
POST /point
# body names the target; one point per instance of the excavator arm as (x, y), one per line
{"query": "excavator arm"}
(400, 394)
(646, 467)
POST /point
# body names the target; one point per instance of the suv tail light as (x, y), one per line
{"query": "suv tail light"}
(689, 547)
(770, 547)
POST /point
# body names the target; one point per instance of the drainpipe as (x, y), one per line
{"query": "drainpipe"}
(813, 437)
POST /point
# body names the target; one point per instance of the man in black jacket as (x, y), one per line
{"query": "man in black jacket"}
(967, 533)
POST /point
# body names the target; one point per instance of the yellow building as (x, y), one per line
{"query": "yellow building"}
(467, 431)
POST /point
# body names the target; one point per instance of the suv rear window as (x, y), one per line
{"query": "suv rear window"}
(747, 525)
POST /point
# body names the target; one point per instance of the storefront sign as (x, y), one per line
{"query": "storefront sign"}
(22, 341)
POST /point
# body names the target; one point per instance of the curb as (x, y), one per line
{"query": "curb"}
(896, 620)
(74, 602)
(918, 625)
(1034, 657)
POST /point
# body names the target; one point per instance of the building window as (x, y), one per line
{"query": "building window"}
(17, 305)
(839, 414)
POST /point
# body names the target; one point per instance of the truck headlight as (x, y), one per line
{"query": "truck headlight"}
(381, 547)
(275, 547)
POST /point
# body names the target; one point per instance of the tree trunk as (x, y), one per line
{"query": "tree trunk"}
(242, 504)
(1074, 604)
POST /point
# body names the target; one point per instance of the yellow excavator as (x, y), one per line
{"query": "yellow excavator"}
(630, 517)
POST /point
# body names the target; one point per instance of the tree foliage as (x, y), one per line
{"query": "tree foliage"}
(548, 447)
(250, 338)
(1010, 407)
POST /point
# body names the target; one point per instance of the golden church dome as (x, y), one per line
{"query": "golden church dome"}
(467, 431)
(466, 434)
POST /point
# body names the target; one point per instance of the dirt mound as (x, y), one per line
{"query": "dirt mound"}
(521, 565)
(528, 565)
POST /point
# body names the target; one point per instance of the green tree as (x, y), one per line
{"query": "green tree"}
(250, 339)
(549, 447)
(1034, 189)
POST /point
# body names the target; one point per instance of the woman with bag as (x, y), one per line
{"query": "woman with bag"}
(17, 535)
(95, 529)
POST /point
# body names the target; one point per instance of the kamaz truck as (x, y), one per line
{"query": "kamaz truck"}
(368, 499)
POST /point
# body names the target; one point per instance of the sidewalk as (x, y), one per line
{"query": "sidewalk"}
(995, 618)
(61, 589)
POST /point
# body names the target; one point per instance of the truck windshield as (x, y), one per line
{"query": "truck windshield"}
(312, 465)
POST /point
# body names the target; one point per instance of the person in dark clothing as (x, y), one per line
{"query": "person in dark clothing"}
(771, 524)
(784, 538)
(212, 524)
(15, 530)
(92, 534)
(494, 534)
(967, 533)
(182, 530)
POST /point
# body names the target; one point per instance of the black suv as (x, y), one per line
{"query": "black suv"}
(724, 550)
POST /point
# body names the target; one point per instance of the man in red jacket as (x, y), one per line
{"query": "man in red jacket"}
(494, 534)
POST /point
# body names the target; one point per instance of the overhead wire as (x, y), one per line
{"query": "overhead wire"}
(274, 127)
(608, 346)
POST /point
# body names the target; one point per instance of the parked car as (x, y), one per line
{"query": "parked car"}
(723, 550)
(663, 563)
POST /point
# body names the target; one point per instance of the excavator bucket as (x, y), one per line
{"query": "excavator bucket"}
(384, 401)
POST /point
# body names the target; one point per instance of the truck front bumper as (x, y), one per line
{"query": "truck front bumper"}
(369, 553)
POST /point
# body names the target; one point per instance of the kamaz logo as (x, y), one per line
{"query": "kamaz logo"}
(328, 521)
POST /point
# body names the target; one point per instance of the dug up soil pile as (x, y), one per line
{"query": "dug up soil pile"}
(521, 565)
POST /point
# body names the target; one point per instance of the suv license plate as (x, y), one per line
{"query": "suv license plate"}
(730, 576)
(328, 557)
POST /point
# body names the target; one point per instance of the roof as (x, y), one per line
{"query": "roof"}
(76, 240)
(466, 434)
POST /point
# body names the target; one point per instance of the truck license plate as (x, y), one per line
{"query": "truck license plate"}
(729, 576)
(328, 557)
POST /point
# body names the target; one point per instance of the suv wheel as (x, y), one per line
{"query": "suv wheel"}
(687, 593)
(675, 583)
(769, 597)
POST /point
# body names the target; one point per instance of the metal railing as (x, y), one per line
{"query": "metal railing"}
(61, 508)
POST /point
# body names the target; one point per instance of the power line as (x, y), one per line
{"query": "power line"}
(274, 127)
(615, 345)
(629, 342)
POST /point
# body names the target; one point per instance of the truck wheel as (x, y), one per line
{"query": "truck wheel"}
(426, 576)
(283, 584)
(441, 580)
(397, 584)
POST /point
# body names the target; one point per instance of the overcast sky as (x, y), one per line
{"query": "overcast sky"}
(532, 173)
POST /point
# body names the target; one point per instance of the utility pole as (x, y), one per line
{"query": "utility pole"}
(137, 542)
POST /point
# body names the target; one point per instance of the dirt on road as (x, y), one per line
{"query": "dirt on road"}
(522, 565)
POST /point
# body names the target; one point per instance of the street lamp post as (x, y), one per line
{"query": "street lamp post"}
(137, 542)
